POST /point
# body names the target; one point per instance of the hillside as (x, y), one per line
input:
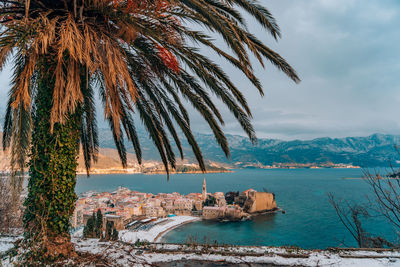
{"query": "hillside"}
(108, 162)
(371, 151)
(377, 150)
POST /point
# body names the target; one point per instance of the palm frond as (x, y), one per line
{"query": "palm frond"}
(137, 54)
(17, 130)
(89, 131)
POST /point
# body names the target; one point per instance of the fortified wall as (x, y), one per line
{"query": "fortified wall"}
(260, 202)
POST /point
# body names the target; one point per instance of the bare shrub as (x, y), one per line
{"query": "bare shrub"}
(386, 196)
(385, 201)
(351, 216)
(10, 210)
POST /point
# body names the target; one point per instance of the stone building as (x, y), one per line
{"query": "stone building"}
(220, 199)
(117, 220)
(151, 211)
(198, 205)
(213, 213)
(168, 202)
(204, 190)
(77, 217)
(134, 210)
(183, 204)
(182, 212)
(259, 202)
(233, 212)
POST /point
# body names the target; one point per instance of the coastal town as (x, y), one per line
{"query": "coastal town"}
(291, 165)
(133, 210)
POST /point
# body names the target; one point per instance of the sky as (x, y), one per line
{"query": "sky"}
(347, 54)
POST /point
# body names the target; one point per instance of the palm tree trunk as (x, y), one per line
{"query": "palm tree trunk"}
(52, 168)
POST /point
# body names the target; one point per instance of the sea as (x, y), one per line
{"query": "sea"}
(309, 220)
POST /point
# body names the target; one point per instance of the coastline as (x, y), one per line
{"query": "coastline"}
(188, 172)
(163, 233)
(159, 229)
(131, 171)
(121, 171)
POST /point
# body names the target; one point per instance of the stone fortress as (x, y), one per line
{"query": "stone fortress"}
(247, 203)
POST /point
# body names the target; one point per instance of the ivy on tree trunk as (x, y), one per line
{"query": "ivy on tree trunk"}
(52, 169)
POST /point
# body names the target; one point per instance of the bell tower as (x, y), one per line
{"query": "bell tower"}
(204, 190)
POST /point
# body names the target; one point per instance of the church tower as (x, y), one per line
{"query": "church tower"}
(204, 190)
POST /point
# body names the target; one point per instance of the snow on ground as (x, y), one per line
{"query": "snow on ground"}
(156, 230)
(77, 233)
(127, 254)
(6, 243)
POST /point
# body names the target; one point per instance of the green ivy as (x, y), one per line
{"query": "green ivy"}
(52, 167)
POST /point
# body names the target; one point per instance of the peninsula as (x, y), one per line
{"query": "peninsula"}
(139, 215)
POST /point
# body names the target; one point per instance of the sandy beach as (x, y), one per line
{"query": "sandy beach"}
(154, 231)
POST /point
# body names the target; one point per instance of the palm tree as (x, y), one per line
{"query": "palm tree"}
(143, 57)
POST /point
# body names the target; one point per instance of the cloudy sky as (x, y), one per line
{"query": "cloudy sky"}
(347, 53)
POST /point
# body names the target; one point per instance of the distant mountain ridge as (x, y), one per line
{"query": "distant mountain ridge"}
(376, 150)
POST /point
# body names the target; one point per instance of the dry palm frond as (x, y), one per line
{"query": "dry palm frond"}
(136, 52)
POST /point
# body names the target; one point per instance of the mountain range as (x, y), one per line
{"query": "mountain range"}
(376, 150)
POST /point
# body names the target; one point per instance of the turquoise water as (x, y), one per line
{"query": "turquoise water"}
(309, 222)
